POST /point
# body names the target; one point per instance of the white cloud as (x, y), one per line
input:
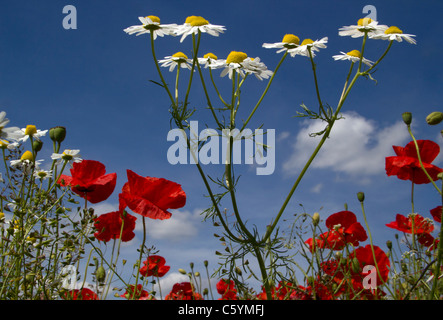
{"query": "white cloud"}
(181, 226)
(357, 146)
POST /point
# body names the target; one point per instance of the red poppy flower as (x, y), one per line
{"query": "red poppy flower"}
(139, 294)
(152, 197)
(365, 257)
(83, 294)
(426, 239)
(413, 223)
(343, 229)
(405, 164)
(154, 266)
(226, 289)
(89, 180)
(183, 291)
(109, 226)
(436, 213)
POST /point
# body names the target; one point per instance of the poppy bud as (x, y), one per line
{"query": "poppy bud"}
(407, 118)
(100, 274)
(238, 271)
(57, 134)
(356, 265)
(434, 118)
(389, 244)
(440, 175)
(205, 263)
(361, 196)
(315, 219)
(182, 271)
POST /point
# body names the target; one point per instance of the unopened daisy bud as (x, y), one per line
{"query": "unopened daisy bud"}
(27, 155)
(191, 265)
(315, 219)
(205, 263)
(30, 130)
(37, 145)
(182, 271)
(197, 274)
(440, 176)
(361, 196)
(57, 134)
(434, 118)
(407, 118)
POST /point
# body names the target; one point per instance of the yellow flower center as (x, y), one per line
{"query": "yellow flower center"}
(364, 22)
(236, 57)
(3, 144)
(2, 215)
(196, 21)
(154, 19)
(30, 130)
(66, 156)
(27, 156)
(180, 55)
(210, 55)
(392, 30)
(290, 38)
(307, 41)
(354, 53)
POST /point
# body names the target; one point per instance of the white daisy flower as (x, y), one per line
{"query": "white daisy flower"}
(31, 130)
(289, 41)
(209, 60)
(242, 64)
(178, 58)
(195, 24)
(67, 155)
(151, 24)
(353, 56)
(13, 133)
(43, 174)
(308, 44)
(26, 162)
(7, 145)
(394, 33)
(364, 25)
(257, 68)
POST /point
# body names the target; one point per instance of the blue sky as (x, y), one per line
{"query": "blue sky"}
(95, 81)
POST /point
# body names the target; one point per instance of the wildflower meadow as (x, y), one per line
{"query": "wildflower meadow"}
(71, 218)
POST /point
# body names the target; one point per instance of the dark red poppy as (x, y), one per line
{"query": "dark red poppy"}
(154, 266)
(138, 294)
(89, 180)
(436, 213)
(183, 291)
(109, 226)
(406, 166)
(426, 239)
(343, 229)
(152, 197)
(413, 223)
(226, 289)
(81, 294)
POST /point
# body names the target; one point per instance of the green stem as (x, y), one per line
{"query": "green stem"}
(437, 272)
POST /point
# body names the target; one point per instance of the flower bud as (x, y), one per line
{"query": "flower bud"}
(57, 134)
(434, 118)
(100, 274)
(315, 219)
(389, 244)
(407, 118)
(37, 145)
(182, 271)
(361, 196)
(205, 263)
(238, 271)
(356, 265)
